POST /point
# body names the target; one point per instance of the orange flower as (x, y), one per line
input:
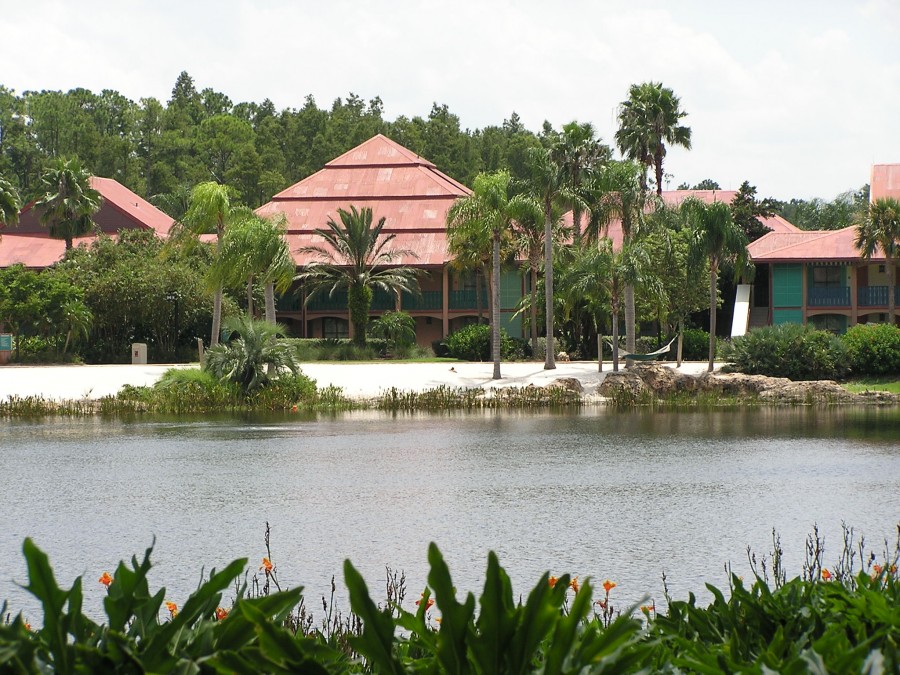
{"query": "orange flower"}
(266, 565)
(428, 605)
(646, 609)
(221, 613)
(608, 586)
(826, 575)
(574, 584)
(552, 581)
(27, 625)
(173, 609)
(601, 603)
(105, 579)
(877, 568)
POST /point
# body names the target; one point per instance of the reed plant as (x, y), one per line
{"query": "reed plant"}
(843, 618)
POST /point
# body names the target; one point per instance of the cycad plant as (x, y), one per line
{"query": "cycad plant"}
(245, 360)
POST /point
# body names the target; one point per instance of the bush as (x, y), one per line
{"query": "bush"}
(286, 391)
(873, 349)
(398, 329)
(473, 343)
(789, 350)
(694, 345)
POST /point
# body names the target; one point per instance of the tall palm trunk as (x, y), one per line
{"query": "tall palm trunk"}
(680, 340)
(615, 337)
(217, 298)
(495, 307)
(630, 321)
(658, 165)
(713, 278)
(478, 294)
(250, 297)
(534, 330)
(892, 280)
(550, 355)
(270, 301)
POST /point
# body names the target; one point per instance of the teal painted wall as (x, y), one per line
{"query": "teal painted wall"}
(780, 316)
(787, 286)
(512, 323)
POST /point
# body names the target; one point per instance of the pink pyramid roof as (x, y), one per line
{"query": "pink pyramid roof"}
(815, 245)
(398, 185)
(28, 242)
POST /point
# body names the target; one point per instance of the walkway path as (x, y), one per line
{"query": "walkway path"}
(357, 379)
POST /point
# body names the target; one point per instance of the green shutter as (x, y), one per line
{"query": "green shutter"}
(787, 285)
(780, 316)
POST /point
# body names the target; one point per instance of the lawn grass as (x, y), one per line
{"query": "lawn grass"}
(888, 383)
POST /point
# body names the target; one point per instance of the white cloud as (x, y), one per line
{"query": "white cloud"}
(797, 98)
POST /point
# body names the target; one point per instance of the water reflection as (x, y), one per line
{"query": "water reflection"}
(624, 495)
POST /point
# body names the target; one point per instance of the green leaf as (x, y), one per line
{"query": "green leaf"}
(377, 639)
(456, 618)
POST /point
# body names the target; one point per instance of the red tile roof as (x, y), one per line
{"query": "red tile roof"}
(885, 181)
(28, 243)
(818, 245)
(676, 197)
(398, 185)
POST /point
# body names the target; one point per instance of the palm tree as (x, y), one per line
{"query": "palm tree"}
(10, 203)
(881, 229)
(69, 202)
(649, 120)
(254, 248)
(547, 185)
(209, 211)
(718, 239)
(487, 211)
(528, 228)
(357, 258)
(251, 358)
(600, 274)
(579, 153)
(617, 193)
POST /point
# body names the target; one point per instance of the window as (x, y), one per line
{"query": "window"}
(828, 277)
(836, 323)
(335, 329)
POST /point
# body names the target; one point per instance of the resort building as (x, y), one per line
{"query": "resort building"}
(820, 277)
(29, 243)
(414, 197)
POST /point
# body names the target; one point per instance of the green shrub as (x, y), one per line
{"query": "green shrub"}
(695, 345)
(788, 350)
(398, 329)
(473, 343)
(873, 349)
(286, 391)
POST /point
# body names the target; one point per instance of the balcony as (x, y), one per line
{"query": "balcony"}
(466, 300)
(836, 296)
(289, 303)
(428, 300)
(875, 296)
(325, 303)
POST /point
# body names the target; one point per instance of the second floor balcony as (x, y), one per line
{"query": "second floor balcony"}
(831, 296)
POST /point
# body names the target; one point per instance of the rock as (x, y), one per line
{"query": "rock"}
(663, 381)
(623, 382)
(571, 384)
(738, 384)
(816, 391)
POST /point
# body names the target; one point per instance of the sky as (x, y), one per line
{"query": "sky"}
(799, 97)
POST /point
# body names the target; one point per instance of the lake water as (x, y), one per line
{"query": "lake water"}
(618, 495)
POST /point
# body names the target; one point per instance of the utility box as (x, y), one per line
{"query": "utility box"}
(139, 354)
(5, 347)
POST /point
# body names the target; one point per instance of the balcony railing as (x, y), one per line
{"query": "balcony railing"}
(828, 297)
(466, 300)
(289, 303)
(324, 303)
(428, 300)
(382, 300)
(875, 296)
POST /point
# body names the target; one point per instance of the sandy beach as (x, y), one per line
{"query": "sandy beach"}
(358, 380)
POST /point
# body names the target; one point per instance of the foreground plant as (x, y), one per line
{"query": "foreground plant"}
(845, 620)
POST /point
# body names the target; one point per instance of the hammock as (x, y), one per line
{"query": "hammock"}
(651, 356)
